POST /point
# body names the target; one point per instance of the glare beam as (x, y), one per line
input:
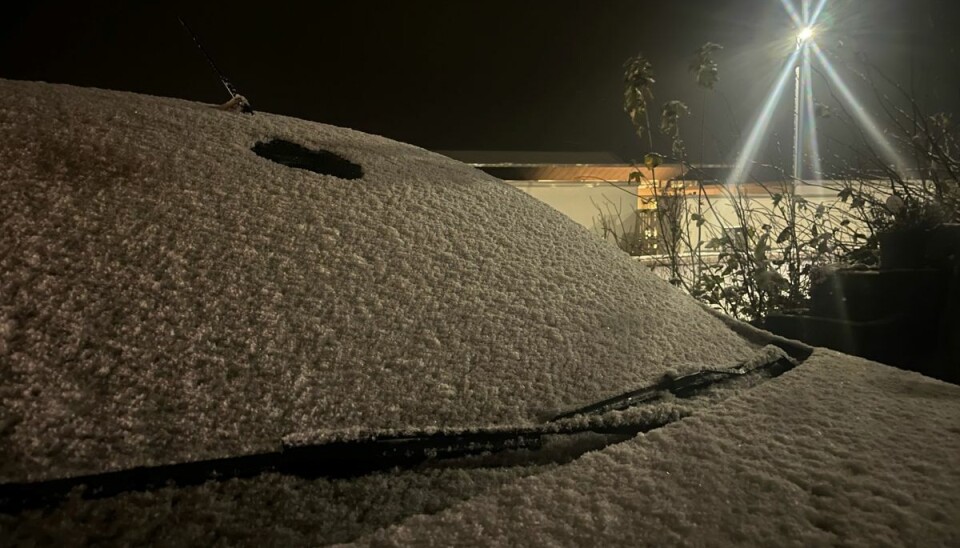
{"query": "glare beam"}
(792, 12)
(810, 117)
(759, 129)
(869, 125)
(817, 12)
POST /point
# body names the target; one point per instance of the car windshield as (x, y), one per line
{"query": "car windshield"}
(202, 302)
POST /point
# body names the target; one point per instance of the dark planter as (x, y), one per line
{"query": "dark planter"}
(850, 295)
(903, 248)
(871, 339)
(942, 248)
(937, 247)
(863, 295)
(909, 318)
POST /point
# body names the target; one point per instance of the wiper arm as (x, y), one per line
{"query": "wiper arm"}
(378, 452)
(681, 387)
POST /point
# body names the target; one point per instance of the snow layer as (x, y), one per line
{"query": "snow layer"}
(168, 295)
(270, 510)
(839, 451)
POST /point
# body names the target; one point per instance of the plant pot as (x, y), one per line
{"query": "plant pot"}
(901, 249)
(850, 295)
(942, 248)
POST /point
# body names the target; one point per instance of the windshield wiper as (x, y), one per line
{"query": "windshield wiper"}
(681, 387)
(381, 452)
(340, 459)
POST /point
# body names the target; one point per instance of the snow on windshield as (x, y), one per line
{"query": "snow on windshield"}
(840, 451)
(168, 295)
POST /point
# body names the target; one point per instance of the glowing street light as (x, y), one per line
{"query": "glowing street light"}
(805, 20)
(804, 39)
(804, 119)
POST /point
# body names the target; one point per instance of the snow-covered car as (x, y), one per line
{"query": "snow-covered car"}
(220, 328)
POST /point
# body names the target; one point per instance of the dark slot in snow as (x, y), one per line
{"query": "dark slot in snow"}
(318, 161)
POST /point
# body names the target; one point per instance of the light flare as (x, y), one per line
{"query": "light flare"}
(816, 12)
(792, 12)
(759, 129)
(810, 118)
(798, 119)
(805, 123)
(870, 127)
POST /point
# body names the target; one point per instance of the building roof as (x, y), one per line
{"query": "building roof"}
(531, 157)
(573, 173)
(549, 166)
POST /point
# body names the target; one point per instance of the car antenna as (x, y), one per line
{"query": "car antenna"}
(236, 101)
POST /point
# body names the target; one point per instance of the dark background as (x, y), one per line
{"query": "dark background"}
(482, 75)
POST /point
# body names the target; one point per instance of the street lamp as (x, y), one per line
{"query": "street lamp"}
(804, 38)
(804, 119)
(798, 63)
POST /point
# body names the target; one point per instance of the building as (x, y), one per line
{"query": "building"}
(605, 194)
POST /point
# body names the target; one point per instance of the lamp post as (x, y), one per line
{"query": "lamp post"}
(803, 39)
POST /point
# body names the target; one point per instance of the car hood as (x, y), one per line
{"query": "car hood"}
(169, 295)
(839, 451)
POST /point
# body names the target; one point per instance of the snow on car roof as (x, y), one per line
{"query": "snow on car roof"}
(839, 451)
(169, 295)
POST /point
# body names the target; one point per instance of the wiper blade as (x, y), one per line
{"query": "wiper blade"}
(377, 452)
(681, 387)
(340, 459)
(333, 460)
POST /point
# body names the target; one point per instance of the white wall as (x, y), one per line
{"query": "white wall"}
(579, 201)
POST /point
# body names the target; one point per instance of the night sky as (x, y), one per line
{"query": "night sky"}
(457, 75)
